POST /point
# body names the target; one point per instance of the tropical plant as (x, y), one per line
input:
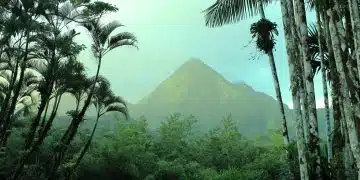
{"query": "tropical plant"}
(103, 43)
(104, 102)
(230, 11)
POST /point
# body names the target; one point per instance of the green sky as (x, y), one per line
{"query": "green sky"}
(172, 31)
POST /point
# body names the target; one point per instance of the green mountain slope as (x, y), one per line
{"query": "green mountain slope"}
(196, 89)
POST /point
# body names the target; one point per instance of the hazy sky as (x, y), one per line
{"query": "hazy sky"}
(171, 32)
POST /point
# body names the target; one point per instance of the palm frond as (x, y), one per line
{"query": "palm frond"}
(264, 31)
(4, 85)
(6, 75)
(313, 42)
(66, 9)
(231, 11)
(121, 37)
(106, 30)
(115, 100)
(93, 27)
(39, 65)
(117, 108)
(126, 42)
(102, 90)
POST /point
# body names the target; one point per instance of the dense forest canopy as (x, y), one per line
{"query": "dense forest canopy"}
(40, 66)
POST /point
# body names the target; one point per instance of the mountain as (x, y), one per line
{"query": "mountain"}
(197, 89)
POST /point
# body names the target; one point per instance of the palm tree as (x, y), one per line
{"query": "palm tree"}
(17, 55)
(66, 77)
(50, 48)
(67, 49)
(104, 101)
(231, 11)
(103, 43)
(70, 76)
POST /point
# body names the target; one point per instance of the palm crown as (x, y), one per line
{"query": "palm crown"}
(103, 42)
(231, 11)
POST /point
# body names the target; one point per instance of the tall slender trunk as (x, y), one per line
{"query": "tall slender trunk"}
(325, 89)
(348, 109)
(291, 48)
(279, 98)
(47, 127)
(314, 145)
(42, 124)
(337, 135)
(72, 169)
(303, 93)
(304, 106)
(87, 145)
(278, 91)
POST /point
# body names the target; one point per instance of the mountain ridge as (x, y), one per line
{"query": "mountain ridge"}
(197, 89)
(208, 99)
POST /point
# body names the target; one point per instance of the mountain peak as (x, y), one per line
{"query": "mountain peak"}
(197, 89)
(194, 62)
(193, 65)
(193, 78)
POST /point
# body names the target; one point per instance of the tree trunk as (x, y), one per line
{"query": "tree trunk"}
(87, 145)
(325, 90)
(304, 106)
(337, 136)
(279, 98)
(291, 48)
(314, 146)
(42, 124)
(303, 93)
(278, 91)
(348, 109)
